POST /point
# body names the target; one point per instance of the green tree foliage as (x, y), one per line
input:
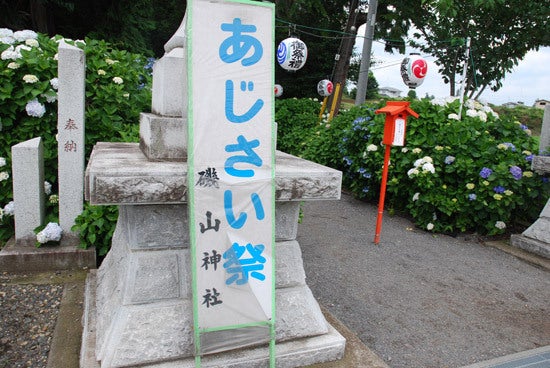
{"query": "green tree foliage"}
(501, 31)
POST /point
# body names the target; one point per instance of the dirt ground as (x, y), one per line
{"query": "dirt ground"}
(419, 299)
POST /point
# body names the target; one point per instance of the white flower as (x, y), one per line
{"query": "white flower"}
(35, 108)
(31, 42)
(56, 56)
(50, 97)
(417, 150)
(469, 104)
(47, 188)
(7, 40)
(118, 80)
(110, 61)
(416, 196)
(6, 32)
(18, 48)
(418, 162)
(404, 150)
(54, 82)
(500, 225)
(482, 116)
(101, 72)
(4, 175)
(430, 226)
(372, 148)
(1, 214)
(24, 35)
(453, 117)
(428, 167)
(10, 54)
(13, 65)
(52, 232)
(9, 209)
(54, 198)
(2, 161)
(30, 78)
(427, 159)
(127, 95)
(471, 113)
(412, 172)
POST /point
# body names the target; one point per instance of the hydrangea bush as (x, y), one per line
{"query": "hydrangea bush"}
(451, 176)
(117, 90)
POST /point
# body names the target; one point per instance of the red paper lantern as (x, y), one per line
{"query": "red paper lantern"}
(413, 70)
(325, 87)
(278, 90)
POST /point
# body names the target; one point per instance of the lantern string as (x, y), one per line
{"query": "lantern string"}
(388, 42)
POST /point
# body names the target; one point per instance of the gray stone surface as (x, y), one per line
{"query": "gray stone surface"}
(163, 138)
(544, 143)
(541, 164)
(531, 245)
(170, 84)
(155, 226)
(28, 189)
(119, 173)
(286, 218)
(539, 230)
(289, 270)
(71, 69)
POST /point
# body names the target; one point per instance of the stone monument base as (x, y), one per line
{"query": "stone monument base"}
(28, 258)
(289, 354)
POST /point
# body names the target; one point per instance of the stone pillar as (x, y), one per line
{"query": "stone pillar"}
(28, 189)
(536, 239)
(70, 128)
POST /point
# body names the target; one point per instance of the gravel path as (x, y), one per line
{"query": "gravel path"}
(28, 313)
(421, 300)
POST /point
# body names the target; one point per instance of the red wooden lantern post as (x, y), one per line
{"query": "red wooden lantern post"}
(394, 135)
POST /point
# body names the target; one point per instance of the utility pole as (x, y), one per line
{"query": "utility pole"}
(362, 83)
(342, 59)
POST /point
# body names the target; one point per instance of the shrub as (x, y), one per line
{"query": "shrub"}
(451, 176)
(117, 90)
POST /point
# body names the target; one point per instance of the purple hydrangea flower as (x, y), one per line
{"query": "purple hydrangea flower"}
(529, 158)
(511, 146)
(485, 172)
(516, 172)
(499, 189)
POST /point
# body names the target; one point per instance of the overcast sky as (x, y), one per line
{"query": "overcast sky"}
(527, 82)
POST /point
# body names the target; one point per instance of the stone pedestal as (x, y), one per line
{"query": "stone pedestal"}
(139, 306)
(536, 239)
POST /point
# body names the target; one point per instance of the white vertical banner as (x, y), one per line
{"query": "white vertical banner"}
(231, 171)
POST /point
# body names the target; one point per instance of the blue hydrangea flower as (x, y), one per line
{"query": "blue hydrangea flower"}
(529, 158)
(511, 146)
(348, 160)
(516, 172)
(472, 197)
(499, 189)
(485, 172)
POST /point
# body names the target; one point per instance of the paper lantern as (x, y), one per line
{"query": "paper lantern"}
(413, 70)
(292, 54)
(278, 90)
(325, 87)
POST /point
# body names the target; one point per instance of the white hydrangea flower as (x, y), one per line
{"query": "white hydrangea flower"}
(110, 61)
(4, 175)
(24, 35)
(469, 104)
(101, 72)
(7, 40)
(430, 226)
(52, 232)
(417, 150)
(13, 65)
(54, 198)
(6, 32)
(54, 82)
(372, 148)
(471, 113)
(18, 48)
(482, 116)
(453, 117)
(47, 188)
(418, 162)
(35, 108)
(500, 225)
(416, 196)
(9, 209)
(2, 161)
(412, 172)
(428, 167)
(10, 54)
(32, 42)
(30, 78)
(50, 97)
(118, 80)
